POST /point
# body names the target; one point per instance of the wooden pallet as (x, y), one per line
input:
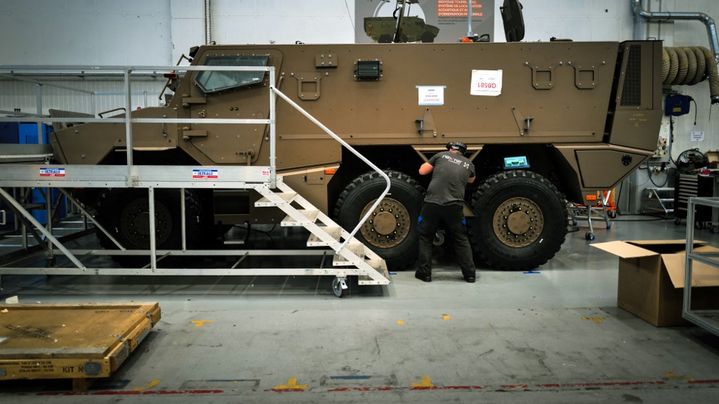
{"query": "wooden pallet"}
(81, 342)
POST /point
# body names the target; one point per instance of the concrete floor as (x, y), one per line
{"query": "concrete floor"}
(554, 335)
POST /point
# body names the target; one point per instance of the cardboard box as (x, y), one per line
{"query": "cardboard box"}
(651, 279)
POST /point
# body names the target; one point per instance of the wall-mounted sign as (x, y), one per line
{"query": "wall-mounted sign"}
(449, 16)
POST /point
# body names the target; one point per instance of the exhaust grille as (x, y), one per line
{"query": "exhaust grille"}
(632, 90)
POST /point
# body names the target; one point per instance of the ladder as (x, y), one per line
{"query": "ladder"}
(351, 258)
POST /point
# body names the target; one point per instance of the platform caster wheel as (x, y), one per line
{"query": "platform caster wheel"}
(612, 214)
(609, 226)
(589, 236)
(677, 221)
(339, 285)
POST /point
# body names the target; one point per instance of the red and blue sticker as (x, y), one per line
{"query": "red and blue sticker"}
(205, 173)
(52, 171)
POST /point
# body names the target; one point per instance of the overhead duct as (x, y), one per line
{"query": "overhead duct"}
(687, 65)
(208, 22)
(663, 16)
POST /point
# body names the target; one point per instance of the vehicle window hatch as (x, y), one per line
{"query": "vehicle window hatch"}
(211, 81)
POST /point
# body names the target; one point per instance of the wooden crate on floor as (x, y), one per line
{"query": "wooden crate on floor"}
(81, 342)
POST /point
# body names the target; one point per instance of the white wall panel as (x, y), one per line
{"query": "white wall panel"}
(85, 32)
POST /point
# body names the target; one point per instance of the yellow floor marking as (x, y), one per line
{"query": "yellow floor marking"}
(291, 386)
(400, 322)
(673, 376)
(202, 323)
(426, 383)
(153, 383)
(595, 319)
(446, 317)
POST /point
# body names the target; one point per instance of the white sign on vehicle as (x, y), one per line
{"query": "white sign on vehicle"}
(486, 83)
(697, 136)
(430, 95)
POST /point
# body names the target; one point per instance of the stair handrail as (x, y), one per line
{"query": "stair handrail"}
(353, 151)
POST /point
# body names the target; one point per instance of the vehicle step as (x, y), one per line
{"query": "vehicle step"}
(287, 197)
(307, 216)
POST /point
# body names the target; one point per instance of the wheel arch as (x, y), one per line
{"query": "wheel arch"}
(544, 159)
(400, 158)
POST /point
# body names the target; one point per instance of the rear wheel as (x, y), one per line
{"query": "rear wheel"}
(391, 231)
(125, 215)
(521, 220)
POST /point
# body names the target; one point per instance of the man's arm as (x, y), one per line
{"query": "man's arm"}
(425, 168)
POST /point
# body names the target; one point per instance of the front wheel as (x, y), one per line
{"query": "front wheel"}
(521, 220)
(391, 231)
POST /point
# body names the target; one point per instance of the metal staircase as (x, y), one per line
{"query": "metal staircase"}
(351, 257)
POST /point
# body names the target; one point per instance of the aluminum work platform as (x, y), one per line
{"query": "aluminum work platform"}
(350, 257)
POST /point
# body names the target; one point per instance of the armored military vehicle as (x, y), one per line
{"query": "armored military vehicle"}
(545, 123)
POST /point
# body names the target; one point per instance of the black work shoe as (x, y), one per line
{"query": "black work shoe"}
(470, 277)
(423, 276)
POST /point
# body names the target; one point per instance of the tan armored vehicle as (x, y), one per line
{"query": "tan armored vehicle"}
(545, 123)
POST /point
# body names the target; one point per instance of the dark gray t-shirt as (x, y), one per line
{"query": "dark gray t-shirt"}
(449, 178)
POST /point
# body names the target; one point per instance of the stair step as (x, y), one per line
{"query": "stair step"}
(308, 216)
(381, 267)
(367, 280)
(356, 247)
(265, 202)
(315, 241)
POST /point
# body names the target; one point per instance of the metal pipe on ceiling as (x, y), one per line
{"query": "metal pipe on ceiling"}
(208, 22)
(662, 16)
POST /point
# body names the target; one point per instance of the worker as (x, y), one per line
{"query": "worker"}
(443, 204)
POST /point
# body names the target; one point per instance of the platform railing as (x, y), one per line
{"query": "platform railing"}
(128, 120)
(353, 151)
(134, 176)
(145, 176)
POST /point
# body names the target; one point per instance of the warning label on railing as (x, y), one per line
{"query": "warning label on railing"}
(204, 173)
(52, 172)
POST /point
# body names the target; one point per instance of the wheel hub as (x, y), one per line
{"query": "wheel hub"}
(385, 223)
(141, 223)
(135, 222)
(518, 222)
(388, 225)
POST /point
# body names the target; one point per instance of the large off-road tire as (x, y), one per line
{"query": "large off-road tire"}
(392, 230)
(521, 220)
(125, 214)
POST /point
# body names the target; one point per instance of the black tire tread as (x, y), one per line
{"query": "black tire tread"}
(366, 177)
(397, 262)
(481, 194)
